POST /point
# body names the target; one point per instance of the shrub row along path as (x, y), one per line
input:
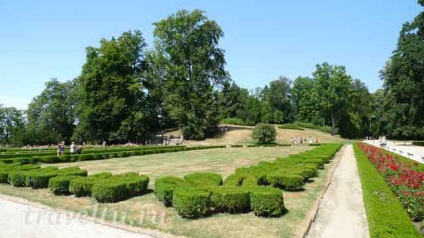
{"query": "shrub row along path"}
(26, 220)
(341, 211)
(409, 151)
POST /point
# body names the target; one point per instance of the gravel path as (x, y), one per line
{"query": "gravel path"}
(26, 221)
(341, 211)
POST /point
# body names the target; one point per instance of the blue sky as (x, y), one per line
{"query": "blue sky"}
(43, 39)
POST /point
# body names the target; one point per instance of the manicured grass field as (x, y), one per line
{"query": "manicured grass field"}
(223, 161)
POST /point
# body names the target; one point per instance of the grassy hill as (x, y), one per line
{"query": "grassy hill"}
(243, 135)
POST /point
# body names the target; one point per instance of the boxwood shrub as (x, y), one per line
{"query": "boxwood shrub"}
(191, 202)
(82, 187)
(267, 201)
(17, 178)
(230, 199)
(233, 180)
(3, 176)
(164, 188)
(204, 179)
(286, 181)
(109, 191)
(60, 185)
(76, 171)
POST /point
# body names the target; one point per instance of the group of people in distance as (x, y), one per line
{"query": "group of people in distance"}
(74, 149)
(301, 141)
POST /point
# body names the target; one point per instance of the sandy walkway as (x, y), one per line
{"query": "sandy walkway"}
(341, 212)
(22, 220)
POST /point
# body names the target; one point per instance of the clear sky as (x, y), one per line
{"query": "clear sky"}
(43, 39)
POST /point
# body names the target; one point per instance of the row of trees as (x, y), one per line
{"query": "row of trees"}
(129, 92)
(399, 107)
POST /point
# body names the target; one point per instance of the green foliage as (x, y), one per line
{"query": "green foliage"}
(267, 202)
(402, 101)
(385, 214)
(204, 179)
(232, 121)
(109, 191)
(193, 64)
(264, 133)
(287, 181)
(230, 199)
(291, 126)
(17, 178)
(60, 185)
(164, 188)
(191, 202)
(110, 90)
(82, 187)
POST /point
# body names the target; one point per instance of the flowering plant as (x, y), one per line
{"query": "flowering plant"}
(404, 179)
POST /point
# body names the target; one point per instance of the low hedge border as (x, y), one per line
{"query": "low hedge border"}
(385, 214)
(201, 194)
(99, 155)
(191, 202)
(164, 188)
(267, 202)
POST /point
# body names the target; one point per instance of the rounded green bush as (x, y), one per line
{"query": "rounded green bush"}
(60, 185)
(164, 188)
(204, 179)
(191, 202)
(267, 201)
(264, 133)
(230, 199)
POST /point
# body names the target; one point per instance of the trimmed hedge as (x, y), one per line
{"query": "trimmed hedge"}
(204, 179)
(385, 214)
(164, 188)
(230, 199)
(82, 187)
(267, 202)
(60, 185)
(282, 179)
(109, 191)
(291, 127)
(107, 188)
(17, 178)
(191, 202)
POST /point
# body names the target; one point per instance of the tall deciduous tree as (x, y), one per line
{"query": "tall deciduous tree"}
(11, 125)
(278, 96)
(111, 90)
(403, 78)
(332, 85)
(194, 65)
(51, 115)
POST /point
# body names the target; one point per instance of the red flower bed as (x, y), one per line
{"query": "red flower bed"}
(403, 179)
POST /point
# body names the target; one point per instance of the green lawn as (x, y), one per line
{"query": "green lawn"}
(223, 161)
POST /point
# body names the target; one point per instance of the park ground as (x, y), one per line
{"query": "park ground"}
(164, 220)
